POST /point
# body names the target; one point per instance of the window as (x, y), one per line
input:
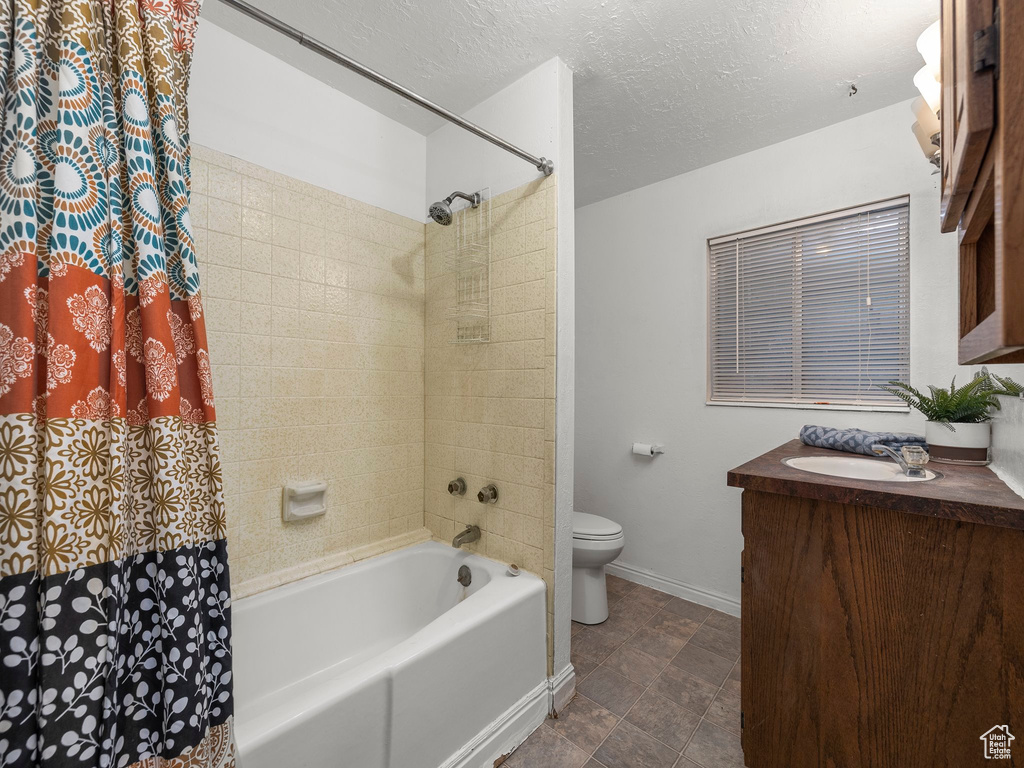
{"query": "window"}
(812, 313)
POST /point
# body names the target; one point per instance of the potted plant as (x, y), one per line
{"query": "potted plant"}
(959, 430)
(1005, 385)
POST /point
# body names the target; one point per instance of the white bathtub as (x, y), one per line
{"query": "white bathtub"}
(390, 663)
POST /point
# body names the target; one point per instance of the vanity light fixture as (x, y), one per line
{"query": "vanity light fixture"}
(926, 129)
(928, 82)
(929, 45)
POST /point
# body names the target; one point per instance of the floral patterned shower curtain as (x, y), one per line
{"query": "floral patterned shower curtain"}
(114, 604)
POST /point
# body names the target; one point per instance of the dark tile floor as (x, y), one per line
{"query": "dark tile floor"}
(658, 686)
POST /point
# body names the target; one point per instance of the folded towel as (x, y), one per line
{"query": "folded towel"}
(857, 440)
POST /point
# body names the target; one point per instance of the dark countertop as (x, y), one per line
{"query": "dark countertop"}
(968, 494)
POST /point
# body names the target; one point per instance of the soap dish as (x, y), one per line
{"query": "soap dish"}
(301, 501)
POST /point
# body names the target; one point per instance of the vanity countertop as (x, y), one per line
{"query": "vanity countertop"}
(964, 493)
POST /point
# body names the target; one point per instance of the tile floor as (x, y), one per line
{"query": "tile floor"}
(658, 686)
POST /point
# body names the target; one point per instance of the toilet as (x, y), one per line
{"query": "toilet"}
(596, 541)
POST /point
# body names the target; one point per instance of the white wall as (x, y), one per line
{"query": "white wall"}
(1008, 441)
(249, 104)
(565, 389)
(641, 285)
(525, 113)
(535, 113)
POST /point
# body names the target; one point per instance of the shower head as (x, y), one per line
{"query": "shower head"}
(441, 211)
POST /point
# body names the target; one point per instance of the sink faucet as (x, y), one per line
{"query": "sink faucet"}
(472, 533)
(910, 468)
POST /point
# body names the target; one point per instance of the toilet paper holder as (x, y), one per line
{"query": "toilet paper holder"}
(647, 449)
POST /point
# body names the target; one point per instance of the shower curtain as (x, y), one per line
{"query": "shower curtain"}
(114, 602)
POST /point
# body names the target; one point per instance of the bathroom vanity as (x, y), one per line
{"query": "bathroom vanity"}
(883, 622)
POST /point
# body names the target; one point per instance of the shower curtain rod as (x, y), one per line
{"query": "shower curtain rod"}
(543, 165)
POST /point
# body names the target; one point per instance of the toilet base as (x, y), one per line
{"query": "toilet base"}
(589, 595)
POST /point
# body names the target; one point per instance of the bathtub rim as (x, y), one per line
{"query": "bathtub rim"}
(495, 568)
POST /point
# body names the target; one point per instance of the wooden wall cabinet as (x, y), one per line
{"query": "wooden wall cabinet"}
(982, 134)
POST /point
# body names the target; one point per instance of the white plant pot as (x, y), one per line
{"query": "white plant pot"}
(969, 444)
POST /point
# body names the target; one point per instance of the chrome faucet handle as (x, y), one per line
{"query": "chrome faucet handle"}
(488, 494)
(913, 466)
(457, 487)
(915, 455)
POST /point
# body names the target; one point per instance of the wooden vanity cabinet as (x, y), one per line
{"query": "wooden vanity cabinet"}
(982, 142)
(880, 628)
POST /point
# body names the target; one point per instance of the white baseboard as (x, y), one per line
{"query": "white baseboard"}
(563, 688)
(707, 597)
(506, 733)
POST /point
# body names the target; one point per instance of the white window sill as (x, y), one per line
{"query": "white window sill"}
(812, 406)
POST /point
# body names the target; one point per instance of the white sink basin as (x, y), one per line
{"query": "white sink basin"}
(855, 468)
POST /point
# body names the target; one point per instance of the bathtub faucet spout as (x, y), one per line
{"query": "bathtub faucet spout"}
(472, 533)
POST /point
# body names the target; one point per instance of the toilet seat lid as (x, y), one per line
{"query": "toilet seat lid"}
(587, 526)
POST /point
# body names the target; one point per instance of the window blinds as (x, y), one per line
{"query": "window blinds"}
(812, 313)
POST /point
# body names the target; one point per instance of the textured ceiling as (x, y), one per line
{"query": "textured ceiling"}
(661, 86)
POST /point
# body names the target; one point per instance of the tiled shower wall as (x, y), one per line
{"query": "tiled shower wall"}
(332, 360)
(315, 310)
(490, 408)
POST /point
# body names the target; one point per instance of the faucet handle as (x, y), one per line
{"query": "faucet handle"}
(915, 455)
(488, 494)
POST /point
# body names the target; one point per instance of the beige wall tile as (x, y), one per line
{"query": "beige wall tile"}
(310, 384)
(487, 405)
(225, 184)
(225, 216)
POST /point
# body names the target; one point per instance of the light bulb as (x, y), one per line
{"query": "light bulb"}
(929, 122)
(929, 44)
(925, 140)
(929, 87)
